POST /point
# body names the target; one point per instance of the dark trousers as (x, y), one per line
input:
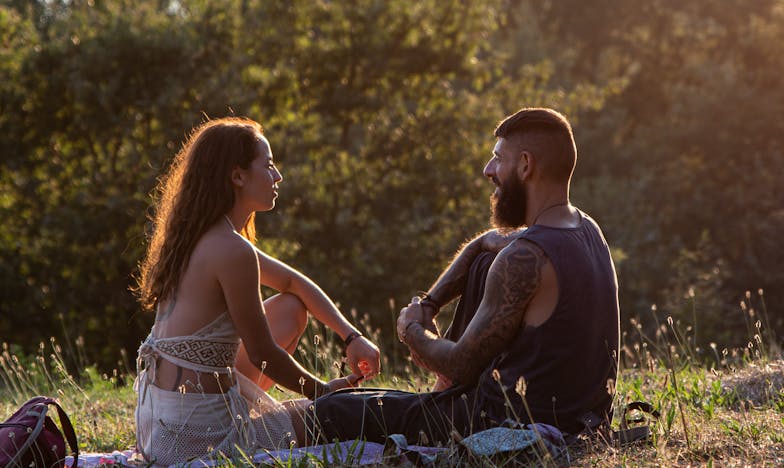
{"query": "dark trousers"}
(425, 418)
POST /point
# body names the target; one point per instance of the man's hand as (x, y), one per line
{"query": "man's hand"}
(411, 313)
(363, 357)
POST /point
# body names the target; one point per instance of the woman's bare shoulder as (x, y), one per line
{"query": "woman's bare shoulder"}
(220, 246)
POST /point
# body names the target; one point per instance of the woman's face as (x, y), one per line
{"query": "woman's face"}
(260, 180)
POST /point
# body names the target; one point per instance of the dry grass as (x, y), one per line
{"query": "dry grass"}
(731, 416)
(722, 429)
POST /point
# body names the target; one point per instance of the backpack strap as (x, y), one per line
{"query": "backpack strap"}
(68, 431)
(39, 426)
(65, 423)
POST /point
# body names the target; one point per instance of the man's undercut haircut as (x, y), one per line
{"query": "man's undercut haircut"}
(546, 134)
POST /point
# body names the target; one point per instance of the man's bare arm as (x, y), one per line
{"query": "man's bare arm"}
(452, 281)
(512, 282)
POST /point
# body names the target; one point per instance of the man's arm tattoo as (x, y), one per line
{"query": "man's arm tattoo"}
(512, 282)
(451, 283)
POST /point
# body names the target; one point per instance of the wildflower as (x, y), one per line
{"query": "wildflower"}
(748, 294)
(691, 293)
(653, 307)
(760, 292)
(496, 375)
(302, 381)
(316, 340)
(669, 320)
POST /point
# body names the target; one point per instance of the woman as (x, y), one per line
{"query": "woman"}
(201, 275)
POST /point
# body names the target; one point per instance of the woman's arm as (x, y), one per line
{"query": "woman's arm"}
(238, 275)
(284, 278)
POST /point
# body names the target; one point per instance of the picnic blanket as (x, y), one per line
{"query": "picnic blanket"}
(351, 452)
(511, 438)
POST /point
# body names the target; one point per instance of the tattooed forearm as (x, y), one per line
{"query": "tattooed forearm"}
(512, 282)
(452, 282)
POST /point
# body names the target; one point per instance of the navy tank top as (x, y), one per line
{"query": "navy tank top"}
(570, 360)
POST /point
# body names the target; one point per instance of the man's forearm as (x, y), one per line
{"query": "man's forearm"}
(452, 281)
(437, 354)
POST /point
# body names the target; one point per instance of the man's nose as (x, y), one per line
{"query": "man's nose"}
(489, 170)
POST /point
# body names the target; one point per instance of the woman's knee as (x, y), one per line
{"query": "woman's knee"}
(288, 308)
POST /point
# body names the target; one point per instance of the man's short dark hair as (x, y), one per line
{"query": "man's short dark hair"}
(546, 134)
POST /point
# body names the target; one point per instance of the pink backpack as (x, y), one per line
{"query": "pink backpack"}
(30, 438)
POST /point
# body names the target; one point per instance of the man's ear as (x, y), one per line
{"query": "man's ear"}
(237, 177)
(525, 166)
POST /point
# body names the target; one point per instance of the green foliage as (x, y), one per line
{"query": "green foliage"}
(381, 115)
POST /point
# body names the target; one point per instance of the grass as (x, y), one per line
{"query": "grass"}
(718, 408)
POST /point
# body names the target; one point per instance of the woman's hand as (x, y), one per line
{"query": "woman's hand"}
(348, 381)
(363, 357)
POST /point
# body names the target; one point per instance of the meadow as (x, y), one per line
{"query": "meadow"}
(718, 406)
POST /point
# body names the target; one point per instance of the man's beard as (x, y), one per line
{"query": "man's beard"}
(509, 205)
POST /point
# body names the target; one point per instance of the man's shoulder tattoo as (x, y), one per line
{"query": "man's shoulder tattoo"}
(517, 272)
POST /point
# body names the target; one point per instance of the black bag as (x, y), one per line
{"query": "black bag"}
(30, 438)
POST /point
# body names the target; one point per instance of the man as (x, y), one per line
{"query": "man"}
(535, 336)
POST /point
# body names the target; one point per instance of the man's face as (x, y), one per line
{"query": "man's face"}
(509, 198)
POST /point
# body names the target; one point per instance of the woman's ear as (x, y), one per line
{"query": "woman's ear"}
(237, 177)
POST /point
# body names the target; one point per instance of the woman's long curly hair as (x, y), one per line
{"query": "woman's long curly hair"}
(192, 196)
